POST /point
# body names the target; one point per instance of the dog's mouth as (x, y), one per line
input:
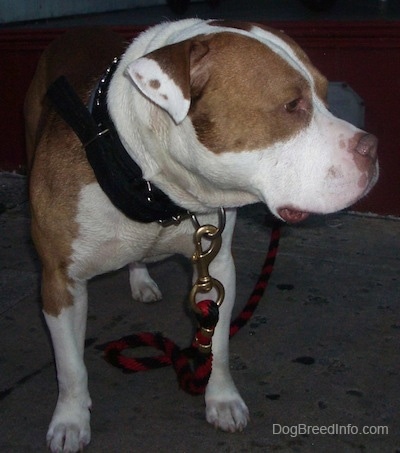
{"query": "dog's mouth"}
(292, 215)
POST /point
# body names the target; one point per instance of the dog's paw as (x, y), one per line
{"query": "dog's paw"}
(229, 414)
(146, 291)
(69, 430)
(143, 287)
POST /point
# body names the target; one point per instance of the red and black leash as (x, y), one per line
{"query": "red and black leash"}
(192, 367)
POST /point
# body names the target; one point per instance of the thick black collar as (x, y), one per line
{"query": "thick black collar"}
(117, 173)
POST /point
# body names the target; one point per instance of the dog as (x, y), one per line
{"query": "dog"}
(214, 114)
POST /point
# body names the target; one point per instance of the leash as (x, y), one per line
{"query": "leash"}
(193, 364)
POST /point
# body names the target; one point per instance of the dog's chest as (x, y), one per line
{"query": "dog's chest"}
(107, 240)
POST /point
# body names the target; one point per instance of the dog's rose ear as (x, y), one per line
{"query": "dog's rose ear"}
(168, 76)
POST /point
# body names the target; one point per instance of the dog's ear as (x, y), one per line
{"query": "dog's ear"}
(171, 75)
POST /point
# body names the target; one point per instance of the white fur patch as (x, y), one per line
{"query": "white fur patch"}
(69, 429)
(155, 84)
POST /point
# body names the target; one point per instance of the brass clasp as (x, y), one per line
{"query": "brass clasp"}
(202, 259)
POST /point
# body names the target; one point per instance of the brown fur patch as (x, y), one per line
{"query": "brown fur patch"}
(247, 26)
(178, 60)
(155, 84)
(321, 84)
(320, 81)
(242, 105)
(60, 168)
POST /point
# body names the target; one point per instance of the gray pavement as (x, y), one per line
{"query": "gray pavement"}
(322, 350)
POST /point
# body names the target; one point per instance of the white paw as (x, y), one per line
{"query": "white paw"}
(229, 414)
(146, 291)
(143, 287)
(69, 430)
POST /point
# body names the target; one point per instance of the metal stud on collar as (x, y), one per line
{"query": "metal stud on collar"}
(104, 79)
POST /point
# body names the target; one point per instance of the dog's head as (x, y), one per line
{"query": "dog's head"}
(257, 106)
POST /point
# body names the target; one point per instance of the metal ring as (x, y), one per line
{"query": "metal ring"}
(221, 223)
(215, 284)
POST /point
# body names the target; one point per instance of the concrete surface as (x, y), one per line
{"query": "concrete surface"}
(322, 348)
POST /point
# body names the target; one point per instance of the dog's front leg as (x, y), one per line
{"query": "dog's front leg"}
(225, 408)
(69, 429)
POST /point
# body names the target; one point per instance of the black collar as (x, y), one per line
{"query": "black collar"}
(117, 173)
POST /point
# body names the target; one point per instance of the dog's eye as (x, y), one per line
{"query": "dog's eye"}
(293, 105)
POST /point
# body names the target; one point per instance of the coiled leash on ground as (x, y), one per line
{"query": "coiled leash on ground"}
(193, 364)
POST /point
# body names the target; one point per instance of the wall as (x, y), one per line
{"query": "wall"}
(23, 10)
(365, 55)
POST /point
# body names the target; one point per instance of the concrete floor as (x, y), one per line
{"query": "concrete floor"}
(333, 298)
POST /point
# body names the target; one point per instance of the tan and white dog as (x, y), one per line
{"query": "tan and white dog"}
(216, 114)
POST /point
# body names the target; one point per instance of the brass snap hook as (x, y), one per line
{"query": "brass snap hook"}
(202, 259)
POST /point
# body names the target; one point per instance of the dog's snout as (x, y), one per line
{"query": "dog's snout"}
(367, 146)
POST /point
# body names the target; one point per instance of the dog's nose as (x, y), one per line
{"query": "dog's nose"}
(367, 146)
